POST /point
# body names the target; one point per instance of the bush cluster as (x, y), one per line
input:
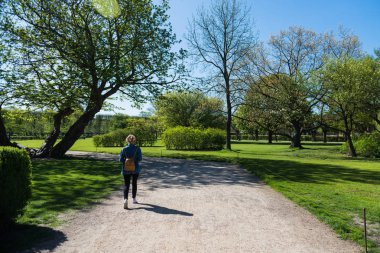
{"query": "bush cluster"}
(15, 183)
(189, 138)
(367, 145)
(146, 136)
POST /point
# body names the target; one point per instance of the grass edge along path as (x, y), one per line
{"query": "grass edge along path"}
(313, 166)
(326, 205)
(59, 187)
(320, 179)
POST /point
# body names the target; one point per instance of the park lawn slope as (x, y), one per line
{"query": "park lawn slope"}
(63, 185)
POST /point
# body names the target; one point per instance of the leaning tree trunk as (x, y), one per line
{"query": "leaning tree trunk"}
(46, 148)
(351, 148)
(4, 139)
(347, 135)
(296, 137)
(74, 133)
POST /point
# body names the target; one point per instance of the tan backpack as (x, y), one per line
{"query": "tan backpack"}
(129, 164)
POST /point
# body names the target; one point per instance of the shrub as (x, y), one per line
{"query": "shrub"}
(189, 138)
(15, 183)
(343, 148)
(146, 136)
(367, 145)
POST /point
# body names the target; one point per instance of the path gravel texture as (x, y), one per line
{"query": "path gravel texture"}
(197, 206)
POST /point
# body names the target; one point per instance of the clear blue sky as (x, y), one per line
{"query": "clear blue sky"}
(362, 17)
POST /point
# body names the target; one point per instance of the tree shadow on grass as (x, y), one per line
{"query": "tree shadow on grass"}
(60, 185)
(285, 170)
(178, 173)
(30, 238)
(162, 210)
(171, 173)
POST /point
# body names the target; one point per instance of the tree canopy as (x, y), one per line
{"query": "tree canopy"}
(352, 92)
(190, 109)
(221, 37)
(129, 54)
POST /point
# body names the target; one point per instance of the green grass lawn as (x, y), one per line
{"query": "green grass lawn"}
(60, 186)
(333, 187)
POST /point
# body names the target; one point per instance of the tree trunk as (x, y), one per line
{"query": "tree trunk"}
(347, 136)
(270, 137)
(324, 135)
(351, 147)
(75, 131)
(4, 139)
(256, 135)
(46, 148)
(314, 136)
(229, 115)
(296, 137)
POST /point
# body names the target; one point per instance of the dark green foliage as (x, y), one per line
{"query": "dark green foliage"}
(130, 54)
(145, 135)
(190, 138)
(113, 139)
(190, 109)
(367, 145)
(15, 182)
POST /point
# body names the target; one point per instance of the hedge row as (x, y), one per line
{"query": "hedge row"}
(367, 145)
(146, 136)
(15, 183)
(189, 138)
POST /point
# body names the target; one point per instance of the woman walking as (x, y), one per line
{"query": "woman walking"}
(133, 152)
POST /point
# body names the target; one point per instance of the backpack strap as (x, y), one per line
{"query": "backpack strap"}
(134, 155)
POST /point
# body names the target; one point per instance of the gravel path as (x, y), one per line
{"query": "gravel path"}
(198, 206)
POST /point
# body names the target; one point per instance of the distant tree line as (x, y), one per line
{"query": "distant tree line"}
(26, 124)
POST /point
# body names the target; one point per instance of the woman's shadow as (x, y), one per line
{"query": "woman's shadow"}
(161, 209)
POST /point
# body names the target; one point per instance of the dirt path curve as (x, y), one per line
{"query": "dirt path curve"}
(198, 206)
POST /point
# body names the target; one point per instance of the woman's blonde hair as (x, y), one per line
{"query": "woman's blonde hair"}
(131, 139)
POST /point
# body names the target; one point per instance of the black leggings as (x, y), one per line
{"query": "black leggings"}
(127, 182)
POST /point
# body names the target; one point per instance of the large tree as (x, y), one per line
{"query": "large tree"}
(373, 105)
(5, 96)
(48, 85)
(220, 37)
(284, 72)
(283, 75)
(6, 88)
(263, 111)
(128, 53)
(350, 84)
(190, 109)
